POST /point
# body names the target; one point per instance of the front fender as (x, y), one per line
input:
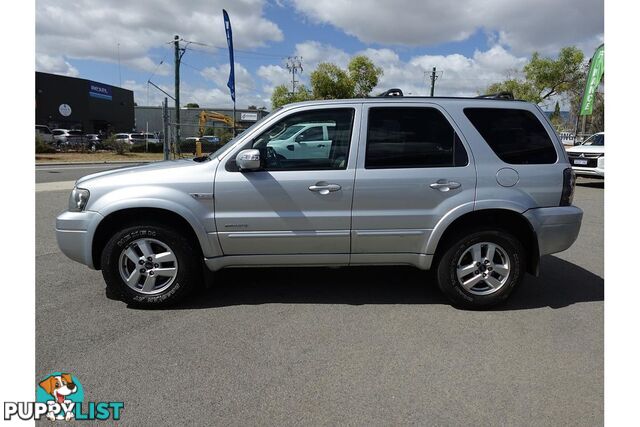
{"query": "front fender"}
(198, 213)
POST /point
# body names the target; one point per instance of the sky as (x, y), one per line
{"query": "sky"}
(473, 43)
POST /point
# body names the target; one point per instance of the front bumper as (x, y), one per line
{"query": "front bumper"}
(594, 172)
(74, 233)
(557, 228)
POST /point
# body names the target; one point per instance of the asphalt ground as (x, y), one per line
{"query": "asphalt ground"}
(358, 346)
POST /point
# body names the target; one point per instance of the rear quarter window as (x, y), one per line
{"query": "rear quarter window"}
(515, 136)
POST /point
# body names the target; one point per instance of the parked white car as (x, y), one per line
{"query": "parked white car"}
(124, 137)
(67, 137)
(45, 134)
(143, 137)
(304, 141)
(587, 159)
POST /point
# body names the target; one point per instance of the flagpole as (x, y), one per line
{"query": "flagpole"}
(231, 84)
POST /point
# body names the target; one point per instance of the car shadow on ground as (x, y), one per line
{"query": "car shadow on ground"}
(560, 284)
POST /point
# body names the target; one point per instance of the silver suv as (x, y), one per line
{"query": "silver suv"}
(476, 189)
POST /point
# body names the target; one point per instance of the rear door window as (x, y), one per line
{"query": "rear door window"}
(411, 137)
(515, 136)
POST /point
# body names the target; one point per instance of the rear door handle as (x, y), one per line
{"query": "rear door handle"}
(324, 188)
(445, 185)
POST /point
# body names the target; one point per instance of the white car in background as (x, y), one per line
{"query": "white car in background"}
(304, 140)
(67, 137)
(587, 159)
(142, 137)
(124, 137)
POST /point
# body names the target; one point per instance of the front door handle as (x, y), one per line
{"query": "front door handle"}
(444, 185)
(324, 188)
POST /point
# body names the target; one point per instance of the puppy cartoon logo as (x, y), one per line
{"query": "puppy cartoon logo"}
(60, 391)
(60, 387)
(60, 396)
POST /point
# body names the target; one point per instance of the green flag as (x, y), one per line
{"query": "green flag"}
(596, 70)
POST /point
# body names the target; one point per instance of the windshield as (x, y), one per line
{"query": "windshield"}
(595, 140)
(220, 151)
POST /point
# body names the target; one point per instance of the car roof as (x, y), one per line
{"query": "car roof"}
(399, 100)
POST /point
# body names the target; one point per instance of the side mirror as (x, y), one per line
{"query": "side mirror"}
(248, 160)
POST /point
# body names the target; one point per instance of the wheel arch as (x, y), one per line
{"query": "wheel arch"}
(505, 219)
(123, 217)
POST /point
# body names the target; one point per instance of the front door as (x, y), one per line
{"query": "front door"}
(412, 170)
(294, 204)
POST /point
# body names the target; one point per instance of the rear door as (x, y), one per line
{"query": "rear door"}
(413, 168)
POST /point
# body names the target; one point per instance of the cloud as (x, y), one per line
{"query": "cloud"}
(459, 75)
(207, 97)
(91, 29)
(220, 76)
(274, 75)
(313, 52)
(55, 65)
(525, 26)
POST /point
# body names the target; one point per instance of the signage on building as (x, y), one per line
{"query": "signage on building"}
(65, 110)
(98, 90)
(249, 117)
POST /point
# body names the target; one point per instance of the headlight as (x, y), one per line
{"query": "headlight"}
(78, 199)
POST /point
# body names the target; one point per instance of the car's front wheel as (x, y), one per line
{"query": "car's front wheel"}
(482, 268)
(150, 265)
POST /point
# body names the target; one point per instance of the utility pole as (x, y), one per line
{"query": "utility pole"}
(178, 57)
(294, 64)
(165, 128)
(434, 77)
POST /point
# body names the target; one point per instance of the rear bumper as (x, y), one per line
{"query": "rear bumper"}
(556, 228)
(74, 234)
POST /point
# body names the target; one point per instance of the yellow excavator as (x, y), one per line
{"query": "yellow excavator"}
(207, 116)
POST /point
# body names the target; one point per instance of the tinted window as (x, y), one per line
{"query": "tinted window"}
(318, 153)
(407, 137)
(516, 136)
(597, 139)
(289, 132)
(311, 134)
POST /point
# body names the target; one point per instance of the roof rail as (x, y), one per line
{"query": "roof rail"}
(392, 92)
(499, 95)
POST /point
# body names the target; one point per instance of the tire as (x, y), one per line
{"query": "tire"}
(168, 249)
(489, 283)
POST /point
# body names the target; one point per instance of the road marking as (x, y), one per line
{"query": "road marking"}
(54, 186)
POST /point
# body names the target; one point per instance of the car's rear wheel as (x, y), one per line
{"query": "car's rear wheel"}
(482, 268)
(150, 265)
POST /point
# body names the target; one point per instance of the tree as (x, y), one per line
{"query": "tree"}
(252, 107)
(329, 81)
(555, 118)
(281, 95)
(364, 75)
(546, 77)
(192, 105)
